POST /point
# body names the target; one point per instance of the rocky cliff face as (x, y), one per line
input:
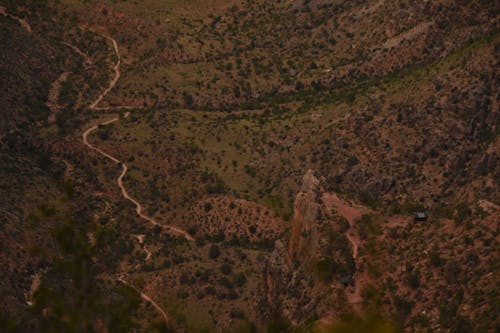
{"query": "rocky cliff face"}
(288, 289)
(304, 237)
(298, 282)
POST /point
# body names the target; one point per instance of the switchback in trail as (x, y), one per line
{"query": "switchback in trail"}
(138, 206)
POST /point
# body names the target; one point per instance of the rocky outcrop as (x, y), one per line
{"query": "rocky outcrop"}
(298, 280)
(288, 290)
(304, 237)
(276, 273)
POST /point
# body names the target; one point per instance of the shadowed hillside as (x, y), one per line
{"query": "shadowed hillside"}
(249, 166)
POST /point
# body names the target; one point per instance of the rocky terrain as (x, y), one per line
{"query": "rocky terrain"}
(249, 166)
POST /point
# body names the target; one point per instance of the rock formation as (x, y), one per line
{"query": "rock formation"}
(304, 236)
(317, 255)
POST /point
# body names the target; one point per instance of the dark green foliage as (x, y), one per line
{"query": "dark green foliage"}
(368, 226)
(226, 268)
(73, 294)
(236, 314)
(413, 279)
(210, 290)
(278, 324)
(161, 327)
(240, 279)
(462, 213)
(213, 252)
(435, 257)
(324, 269)
(403, 308)
(343, 224)
(182, 293)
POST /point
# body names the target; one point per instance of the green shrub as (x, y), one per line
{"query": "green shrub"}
(213, 252)
(240, 279)
(324, 269)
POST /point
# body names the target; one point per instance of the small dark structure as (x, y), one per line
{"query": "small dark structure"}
(420, 217)
(347, 280)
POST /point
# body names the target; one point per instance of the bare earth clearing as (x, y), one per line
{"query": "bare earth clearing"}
(351, 212)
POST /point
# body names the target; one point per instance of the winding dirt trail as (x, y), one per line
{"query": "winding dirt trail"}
(88, 60)
(140, 239)
(138, 207)
(147, 299)
(116, 68)
(93, 128)
(351, 212)
(22, 22)
(113, 82)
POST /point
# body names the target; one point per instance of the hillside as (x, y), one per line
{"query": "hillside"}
(249, 166)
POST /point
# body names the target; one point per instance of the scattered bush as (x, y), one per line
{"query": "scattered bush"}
(213, 252)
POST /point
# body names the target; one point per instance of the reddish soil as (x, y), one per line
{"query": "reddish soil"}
(351, 212)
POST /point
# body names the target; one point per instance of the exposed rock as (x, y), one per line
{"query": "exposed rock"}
(291, 282)
(277, 271)
(304, 236)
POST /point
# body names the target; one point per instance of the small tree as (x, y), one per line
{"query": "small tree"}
(214, 252)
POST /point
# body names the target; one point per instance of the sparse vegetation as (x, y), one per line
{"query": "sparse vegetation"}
(222, 107)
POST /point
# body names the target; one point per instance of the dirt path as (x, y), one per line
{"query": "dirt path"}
(116, 68)
(409, 35)
(37, 278)
(35, 284)
(21, 21)
(139, 207)
(113, 82)
(488, 206)
(93, 128)
(88, 60)
(140, 239)
(351, 213)
(146, 298)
